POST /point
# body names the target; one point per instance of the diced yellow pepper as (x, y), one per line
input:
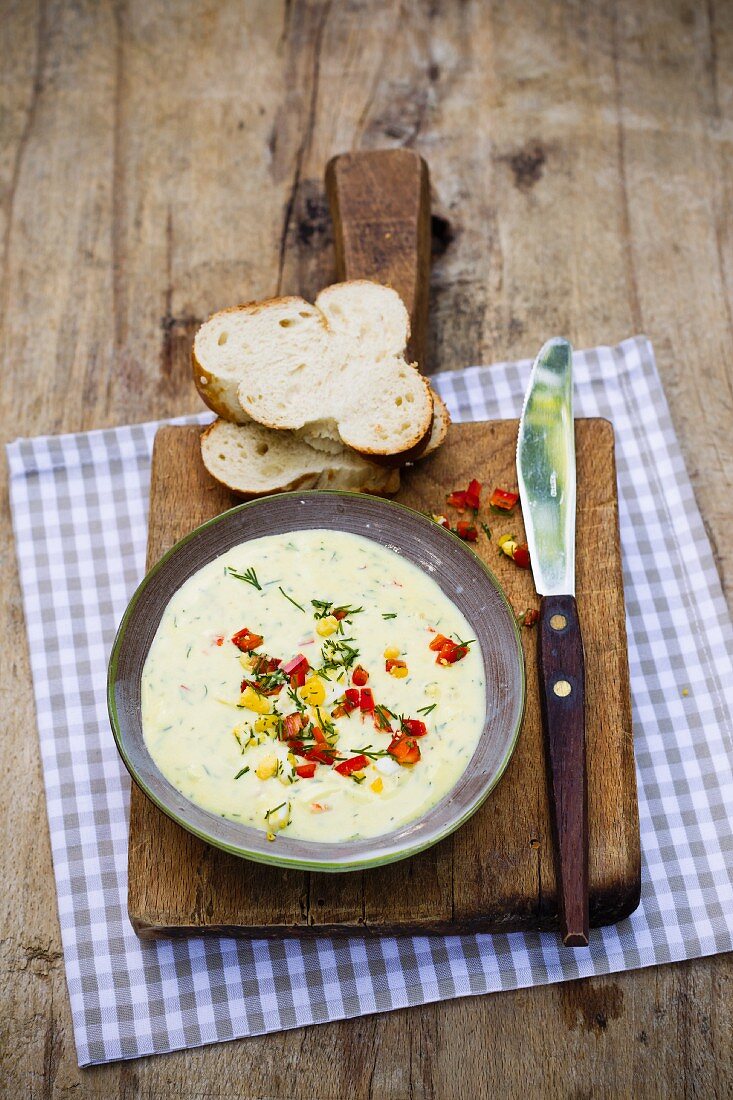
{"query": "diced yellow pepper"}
(253, 701)
(378, 785)
(313, 692)
(246, 660)
(266, 724)
(508, 545)
(267, 767)
(399, 672)
(329, 624)
(391, 652)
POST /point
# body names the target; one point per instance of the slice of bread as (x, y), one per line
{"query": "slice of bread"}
(252, 460)
(334, 370)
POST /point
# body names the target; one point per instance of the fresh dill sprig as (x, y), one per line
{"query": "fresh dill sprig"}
(268, 681)
(293, 602)
(337, 656)
(370, 753)
(249, 577)
(296, 700)
(427, 710)
(241, 772)
(390, 615)
(326, 607)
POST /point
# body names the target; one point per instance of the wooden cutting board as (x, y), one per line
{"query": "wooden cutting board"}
(497, 872)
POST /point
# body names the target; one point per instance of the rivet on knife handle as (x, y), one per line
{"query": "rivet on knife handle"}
(562, 691)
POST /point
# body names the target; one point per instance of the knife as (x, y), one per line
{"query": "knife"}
(546, 472)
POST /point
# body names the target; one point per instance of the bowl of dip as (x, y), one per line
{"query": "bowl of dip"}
(318, 680)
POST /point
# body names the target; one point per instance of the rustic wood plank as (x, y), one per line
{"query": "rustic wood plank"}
(589, 139)
(380, 206)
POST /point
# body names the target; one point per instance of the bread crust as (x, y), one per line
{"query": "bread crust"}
(388, 487)
(222, 395)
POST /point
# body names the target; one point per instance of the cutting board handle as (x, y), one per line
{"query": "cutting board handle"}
(380, 205)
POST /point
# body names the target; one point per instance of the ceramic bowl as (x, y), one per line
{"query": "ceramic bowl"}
(451, 563)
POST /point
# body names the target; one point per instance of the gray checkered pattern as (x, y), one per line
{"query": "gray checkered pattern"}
(79, 510)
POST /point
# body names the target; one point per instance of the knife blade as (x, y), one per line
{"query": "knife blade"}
(547, 489)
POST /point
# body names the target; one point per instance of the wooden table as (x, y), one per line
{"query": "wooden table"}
(160, 160)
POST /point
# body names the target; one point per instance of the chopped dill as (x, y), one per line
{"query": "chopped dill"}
(383, 715)
(342, 611)
(296, 700)
(390, 615)
(249, 577)
(274, 810)
(241, 772)
(293, 602)
(427, 710)
(370, 753)
(337, 656)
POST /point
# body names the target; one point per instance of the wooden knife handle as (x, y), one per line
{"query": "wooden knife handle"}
(380, 205)
(562, 695)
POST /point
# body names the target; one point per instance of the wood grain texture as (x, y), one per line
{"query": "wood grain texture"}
(380, 207)
(497, 872)
(159, 161)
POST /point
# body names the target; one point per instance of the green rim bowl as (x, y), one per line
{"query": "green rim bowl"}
(456, 569)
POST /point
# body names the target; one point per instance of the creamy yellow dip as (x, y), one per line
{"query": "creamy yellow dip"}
(223, 748)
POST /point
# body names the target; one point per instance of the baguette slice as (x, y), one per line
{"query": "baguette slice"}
(252, 460)
(333, 373)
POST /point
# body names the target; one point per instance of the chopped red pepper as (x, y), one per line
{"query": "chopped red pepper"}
(321, 755)
(297, 747)
(292, 725)
(529, 617)
(381, 720)
(473, 494)
(245, 640)
(320, 736)
(296, 668)
(340, 613)
(503, 500)
(466, 531)
(414, 727)
(359, 676)
(441, 520)
(439, 641)
(393, 662)
(404, 749)
(219, 640)
(457, 500)
(355, 764)
(345, 705)
(366, 701)
(262, 666)
(450, 653)
(295, 662)
(306, 771)
(521, 556)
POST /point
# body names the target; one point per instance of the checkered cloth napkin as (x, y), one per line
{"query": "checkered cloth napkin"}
(79, 510)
